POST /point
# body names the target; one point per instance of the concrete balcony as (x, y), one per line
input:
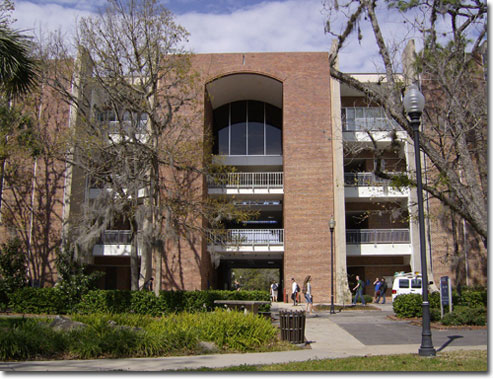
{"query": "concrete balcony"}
(378, 242)
(362, 185)
(113, 243)
(234, 243)
(246, 183)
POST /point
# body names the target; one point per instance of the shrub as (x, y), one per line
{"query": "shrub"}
(465, 316)
(104, 301)
(39, 300)
(12, 270)
(58, 301)
(472, 297)
(73, 279)
(408, 305)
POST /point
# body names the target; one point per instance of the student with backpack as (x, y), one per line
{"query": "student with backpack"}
(274, 288)
(359, 291)
(383, 289)
(295, 288)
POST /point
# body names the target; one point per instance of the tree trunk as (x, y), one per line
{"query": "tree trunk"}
(134, 264)
(159, 267)
(145, 256)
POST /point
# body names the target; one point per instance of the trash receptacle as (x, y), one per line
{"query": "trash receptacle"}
(292, 326)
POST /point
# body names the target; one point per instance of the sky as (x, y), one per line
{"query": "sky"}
(218, 26)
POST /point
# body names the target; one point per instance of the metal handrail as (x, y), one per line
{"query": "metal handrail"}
(365, 179)
(369, 118)
(247, 237)
(116, 237)
(376, 236)
(246, 180)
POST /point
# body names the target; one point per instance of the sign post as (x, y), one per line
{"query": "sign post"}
(445, 294)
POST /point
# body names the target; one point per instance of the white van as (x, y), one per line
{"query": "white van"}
(406, 283)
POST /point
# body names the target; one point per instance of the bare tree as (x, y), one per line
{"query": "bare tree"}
(451, 68)
(136, 136)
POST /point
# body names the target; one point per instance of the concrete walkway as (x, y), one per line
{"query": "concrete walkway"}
(331, 336)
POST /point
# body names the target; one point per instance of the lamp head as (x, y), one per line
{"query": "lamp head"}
(332, 223)
(414, 101)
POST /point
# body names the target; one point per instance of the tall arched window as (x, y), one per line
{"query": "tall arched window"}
(247, 128)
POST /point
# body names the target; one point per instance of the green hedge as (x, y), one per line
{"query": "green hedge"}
(462, 315)
(54, 301)
(39, 300)
(410, 305)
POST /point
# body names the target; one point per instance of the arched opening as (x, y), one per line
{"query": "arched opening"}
(247, 127)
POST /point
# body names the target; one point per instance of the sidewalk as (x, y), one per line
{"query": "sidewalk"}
(327, 340)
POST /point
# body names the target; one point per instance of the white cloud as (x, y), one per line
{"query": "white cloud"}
(46, 17)
(269, 26)
(275, 26)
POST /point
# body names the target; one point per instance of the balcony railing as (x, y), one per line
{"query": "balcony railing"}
(376, 236)
(364, 179)
(116, 237)
(246, 180)
(366, 118)
(248, 237)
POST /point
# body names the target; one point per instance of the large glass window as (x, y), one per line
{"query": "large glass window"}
(273, 130)
(221, 135)
(238, 128)
(247, 128)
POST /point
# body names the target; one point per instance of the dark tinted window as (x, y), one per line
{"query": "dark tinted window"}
(403, 283)
(221, 130)
(255, 128)
(416, 283)
(238, 128)
(258, 134)
(273, 130)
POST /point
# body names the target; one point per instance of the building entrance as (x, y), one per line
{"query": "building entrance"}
(250, 274)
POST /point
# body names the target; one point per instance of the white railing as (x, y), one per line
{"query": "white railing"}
(356, 119)
(247, 237)
(116, 237)
(365, 179)
(246, 180)
(376, 236)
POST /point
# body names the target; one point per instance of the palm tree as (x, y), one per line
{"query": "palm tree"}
(18, 71)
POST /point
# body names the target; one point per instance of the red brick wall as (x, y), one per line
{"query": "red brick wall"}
(308, 199)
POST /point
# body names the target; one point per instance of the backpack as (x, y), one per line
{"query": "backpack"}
(297, 288)
(274, 287)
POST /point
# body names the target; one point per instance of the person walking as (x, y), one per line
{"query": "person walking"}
(295, 288)
(383, 289)
(359, 291)
(377, 283)
(274, 288)
(307, 291)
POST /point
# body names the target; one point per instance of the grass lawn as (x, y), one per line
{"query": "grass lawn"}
(467, 360)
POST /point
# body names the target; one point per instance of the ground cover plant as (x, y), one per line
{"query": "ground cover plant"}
(469, 361)
(131, 335)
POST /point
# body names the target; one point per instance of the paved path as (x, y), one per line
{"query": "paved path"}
(345, 334)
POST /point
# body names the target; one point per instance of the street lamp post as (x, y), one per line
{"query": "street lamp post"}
(332, 224)
(414, 103)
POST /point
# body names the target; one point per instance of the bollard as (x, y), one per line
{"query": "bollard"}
(292, 326)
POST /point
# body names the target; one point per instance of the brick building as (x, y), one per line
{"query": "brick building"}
(299, 142)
